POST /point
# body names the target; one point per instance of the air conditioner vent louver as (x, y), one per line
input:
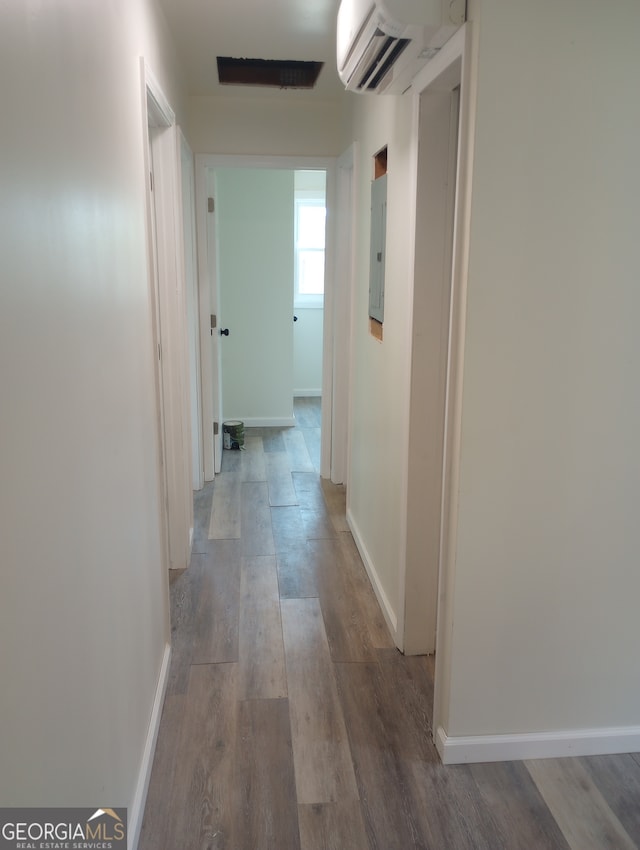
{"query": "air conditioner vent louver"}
(391, 49)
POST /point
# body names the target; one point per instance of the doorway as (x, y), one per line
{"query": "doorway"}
(270, 262)
(208, 169)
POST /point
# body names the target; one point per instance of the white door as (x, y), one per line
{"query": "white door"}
(254, 221)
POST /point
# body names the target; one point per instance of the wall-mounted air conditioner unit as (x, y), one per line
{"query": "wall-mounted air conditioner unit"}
(382, 44)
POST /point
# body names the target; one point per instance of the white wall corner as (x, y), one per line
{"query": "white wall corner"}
(390, 615)
(136, 812)
(537, 745)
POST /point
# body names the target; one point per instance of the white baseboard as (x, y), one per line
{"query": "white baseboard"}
(136, 812)
(537, 745)
(258, 422)
(387, 610)
(307, 393)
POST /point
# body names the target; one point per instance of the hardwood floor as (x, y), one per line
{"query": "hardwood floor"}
(292, 723)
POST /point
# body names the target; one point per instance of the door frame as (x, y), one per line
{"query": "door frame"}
(208, 291)
(156, 110)
(337, 350)
(187, 196)
(428, 585)
(168, 308)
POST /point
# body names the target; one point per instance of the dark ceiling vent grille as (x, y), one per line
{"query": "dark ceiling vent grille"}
(285, 74)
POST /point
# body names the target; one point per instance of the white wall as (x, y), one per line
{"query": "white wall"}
(543, 577)
(284, 124)
(83, 608)
(307, 351)
(381, 369)
(545, 621)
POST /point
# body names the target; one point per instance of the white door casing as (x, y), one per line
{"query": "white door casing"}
(337, 348)
(167, 293)
(442, 162)
(206, 164)
(187, 193)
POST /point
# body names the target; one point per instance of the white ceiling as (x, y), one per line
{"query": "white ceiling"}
(253, 29)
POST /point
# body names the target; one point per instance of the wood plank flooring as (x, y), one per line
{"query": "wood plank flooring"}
(291, 722)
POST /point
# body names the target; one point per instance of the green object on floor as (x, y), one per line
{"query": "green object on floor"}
(233, 434)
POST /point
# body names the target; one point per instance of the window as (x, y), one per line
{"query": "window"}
(310, 222)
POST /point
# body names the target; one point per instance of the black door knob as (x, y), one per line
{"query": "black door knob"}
(295, 318)
(224, 331)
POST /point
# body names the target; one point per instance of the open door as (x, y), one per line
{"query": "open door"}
(254, 225)
(208, 303)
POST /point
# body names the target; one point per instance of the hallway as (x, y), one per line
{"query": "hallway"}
(291, 721)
